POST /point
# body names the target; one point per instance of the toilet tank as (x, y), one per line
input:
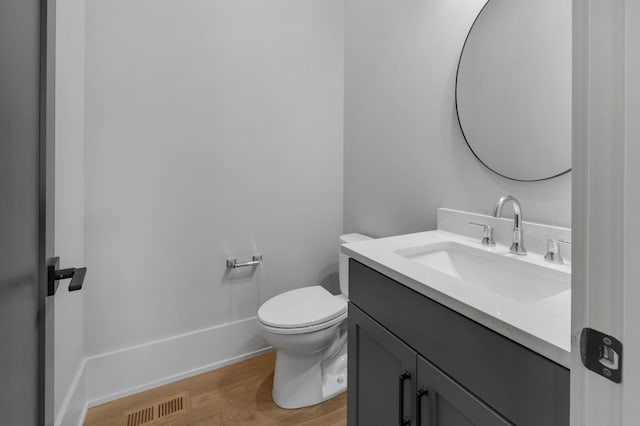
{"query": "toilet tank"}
(344, 261)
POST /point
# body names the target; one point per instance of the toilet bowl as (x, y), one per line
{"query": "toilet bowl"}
(308, 328)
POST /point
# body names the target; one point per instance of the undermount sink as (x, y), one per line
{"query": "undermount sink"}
(493, 272)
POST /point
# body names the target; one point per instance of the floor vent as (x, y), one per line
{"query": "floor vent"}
(175, 405)
(152, 414)
(140, 417)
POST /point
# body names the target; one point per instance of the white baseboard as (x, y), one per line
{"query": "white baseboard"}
(121, 373)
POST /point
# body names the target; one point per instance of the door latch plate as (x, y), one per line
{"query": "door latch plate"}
(601, 354)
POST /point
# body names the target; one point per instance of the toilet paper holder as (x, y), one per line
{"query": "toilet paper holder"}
(232, 263)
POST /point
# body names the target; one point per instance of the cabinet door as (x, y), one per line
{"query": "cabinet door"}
(381, 370)
(440, 401)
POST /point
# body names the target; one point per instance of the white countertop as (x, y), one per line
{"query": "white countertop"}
(543, 326)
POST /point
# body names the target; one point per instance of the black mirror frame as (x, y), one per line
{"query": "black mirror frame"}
(460, 122)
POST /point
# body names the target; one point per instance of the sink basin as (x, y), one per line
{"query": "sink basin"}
(521, 297)
(509, 277)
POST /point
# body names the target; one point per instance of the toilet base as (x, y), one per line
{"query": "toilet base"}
(301, 381)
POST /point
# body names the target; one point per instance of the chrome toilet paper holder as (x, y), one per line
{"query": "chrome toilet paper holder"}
(232, 262)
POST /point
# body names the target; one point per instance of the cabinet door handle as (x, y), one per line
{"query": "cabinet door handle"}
(419, 395)
(402, 419)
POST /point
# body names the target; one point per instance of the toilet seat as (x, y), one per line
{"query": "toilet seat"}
(303, 330)
(302, 311)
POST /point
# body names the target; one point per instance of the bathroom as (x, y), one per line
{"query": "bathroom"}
(213, 156)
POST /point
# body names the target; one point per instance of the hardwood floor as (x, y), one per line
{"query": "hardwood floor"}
(239, 394)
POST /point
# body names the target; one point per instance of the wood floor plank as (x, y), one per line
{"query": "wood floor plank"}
(239, 394)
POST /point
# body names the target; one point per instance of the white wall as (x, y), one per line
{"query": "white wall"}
(404, 153)
(213, 129)
(69, 205)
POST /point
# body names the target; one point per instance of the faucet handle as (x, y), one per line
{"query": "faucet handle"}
(553, 251)
(488, 238)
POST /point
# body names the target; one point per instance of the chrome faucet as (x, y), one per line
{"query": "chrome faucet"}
(517, 247)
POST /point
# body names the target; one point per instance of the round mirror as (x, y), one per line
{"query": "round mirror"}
(513, 88)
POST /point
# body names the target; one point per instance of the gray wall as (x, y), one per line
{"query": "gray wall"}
(404, 152)
(213, 129)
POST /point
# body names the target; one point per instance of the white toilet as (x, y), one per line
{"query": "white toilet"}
(308, 328)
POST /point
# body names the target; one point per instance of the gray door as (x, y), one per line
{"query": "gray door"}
(25, 237)
(381, 370)
(440, 401)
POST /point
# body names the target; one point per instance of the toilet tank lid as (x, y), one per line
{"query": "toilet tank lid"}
(353, 238)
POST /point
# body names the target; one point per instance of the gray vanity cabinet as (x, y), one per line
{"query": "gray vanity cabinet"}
(390, 384)
(441, 401)
(413, 359)
(383, 369)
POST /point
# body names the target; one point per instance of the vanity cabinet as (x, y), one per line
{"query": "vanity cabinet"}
(386, 370)
(415, 362)
(441, 401)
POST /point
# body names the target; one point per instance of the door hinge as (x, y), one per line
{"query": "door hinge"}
(602, 354)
